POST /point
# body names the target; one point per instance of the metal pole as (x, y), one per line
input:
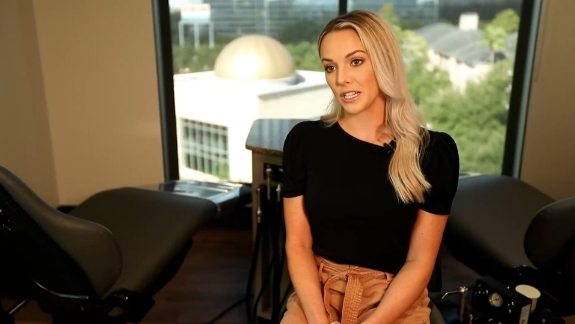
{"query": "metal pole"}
(196, 35)
(181, 33)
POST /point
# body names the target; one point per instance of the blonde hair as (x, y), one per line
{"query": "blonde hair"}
(402, 119)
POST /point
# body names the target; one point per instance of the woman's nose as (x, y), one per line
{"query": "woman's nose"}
(342, 76)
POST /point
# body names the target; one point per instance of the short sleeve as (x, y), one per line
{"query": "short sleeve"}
(293, 162)
(440, 165)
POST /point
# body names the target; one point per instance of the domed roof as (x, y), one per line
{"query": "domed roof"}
(254, 57)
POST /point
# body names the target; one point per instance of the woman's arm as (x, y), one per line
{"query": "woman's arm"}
(301, 263)
(414, 276)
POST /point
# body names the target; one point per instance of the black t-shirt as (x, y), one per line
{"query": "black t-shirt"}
(354, 214)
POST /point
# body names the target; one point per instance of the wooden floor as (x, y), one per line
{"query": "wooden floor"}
(213, 277)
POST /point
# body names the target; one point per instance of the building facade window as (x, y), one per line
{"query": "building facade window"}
(203, 150)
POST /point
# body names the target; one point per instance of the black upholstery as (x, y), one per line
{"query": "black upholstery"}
(488, 222)
(103, 261)
(550, 245)
(550, 238)
(505, 228)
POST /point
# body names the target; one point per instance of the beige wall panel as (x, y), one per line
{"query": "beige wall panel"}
(549, 151)
(98, 63)
(25, 146)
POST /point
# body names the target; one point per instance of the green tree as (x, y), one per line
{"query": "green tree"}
(423, 81)
(495, 37)
(305, 56)
(507, 19)
(300, 30)
(388, 14)
(476, 118)
(496, 31)
(187, 59)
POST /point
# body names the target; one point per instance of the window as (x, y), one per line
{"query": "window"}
(204, 150)
(237, 61)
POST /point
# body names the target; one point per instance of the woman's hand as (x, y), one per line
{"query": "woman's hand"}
(410, 282)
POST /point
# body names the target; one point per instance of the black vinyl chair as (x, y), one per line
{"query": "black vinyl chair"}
(102, 262)
(502, 227)
(488, 222)
(550, 246)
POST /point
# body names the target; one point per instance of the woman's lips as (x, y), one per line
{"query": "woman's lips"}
(349, 96)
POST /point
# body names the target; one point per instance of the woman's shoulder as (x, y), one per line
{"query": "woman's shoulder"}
(440, 166)
(306, 128)
(440, 140)
(302, 132)
(440, 148)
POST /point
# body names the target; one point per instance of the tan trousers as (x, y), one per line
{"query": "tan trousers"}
(351, 294)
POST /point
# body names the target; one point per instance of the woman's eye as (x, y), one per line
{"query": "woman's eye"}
(329, 68)
(356, 62)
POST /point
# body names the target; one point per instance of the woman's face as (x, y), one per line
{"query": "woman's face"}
(349, 73)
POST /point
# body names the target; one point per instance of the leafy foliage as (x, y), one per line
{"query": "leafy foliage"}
(305, 56)
(496, 31)
(389, 15)
(187, 59)
(475, 118)
(508, 20)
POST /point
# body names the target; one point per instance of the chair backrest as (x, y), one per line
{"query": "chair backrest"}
(489, 219)
(550, 238)
(56, 251)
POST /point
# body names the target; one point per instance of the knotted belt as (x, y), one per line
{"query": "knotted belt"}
(350, 282)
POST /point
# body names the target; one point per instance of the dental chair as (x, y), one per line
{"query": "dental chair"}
(502, 227)
(102, 262)
(550, 246)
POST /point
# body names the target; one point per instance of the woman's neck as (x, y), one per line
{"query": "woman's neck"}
(365, 127)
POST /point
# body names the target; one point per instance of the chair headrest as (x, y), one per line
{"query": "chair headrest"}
(550, 238)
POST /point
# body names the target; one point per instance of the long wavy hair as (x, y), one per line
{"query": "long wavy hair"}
(403, 122)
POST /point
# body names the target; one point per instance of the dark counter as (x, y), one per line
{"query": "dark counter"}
(267, 136)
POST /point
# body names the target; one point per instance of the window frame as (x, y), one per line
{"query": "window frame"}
(521, 87)
(167, 105)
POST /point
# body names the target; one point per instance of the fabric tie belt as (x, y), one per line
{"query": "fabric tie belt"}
(344, 287)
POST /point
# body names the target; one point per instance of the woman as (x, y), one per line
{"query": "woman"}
(367, 189)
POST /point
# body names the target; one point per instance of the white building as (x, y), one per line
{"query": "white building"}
(253, 78)
(459, 50)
